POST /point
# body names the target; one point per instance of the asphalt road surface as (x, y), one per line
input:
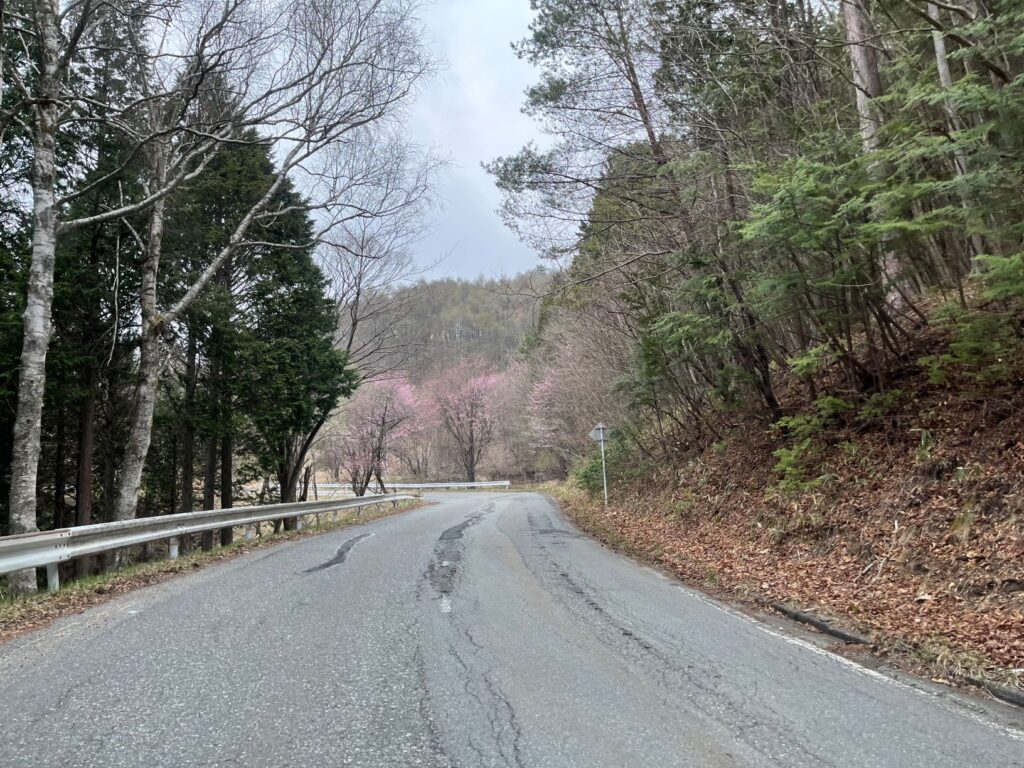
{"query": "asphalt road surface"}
(481, 631)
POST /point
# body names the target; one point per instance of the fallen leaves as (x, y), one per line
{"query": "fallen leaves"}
(894, 547)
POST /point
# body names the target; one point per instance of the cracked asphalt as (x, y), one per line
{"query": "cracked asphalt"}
(480, 631)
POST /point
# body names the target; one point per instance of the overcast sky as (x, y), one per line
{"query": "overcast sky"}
(470, 114)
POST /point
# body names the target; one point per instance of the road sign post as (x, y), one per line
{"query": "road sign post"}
(600, 434)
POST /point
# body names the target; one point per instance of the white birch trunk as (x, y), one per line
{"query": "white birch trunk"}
(39, 300)
(152, 356)
(867, 79)
(953, 115)
(152, 360)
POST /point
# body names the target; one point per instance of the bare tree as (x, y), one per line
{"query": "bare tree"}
(338, 69)
(377, 415)
(572, 381)
(368, 258)
(54, 39)
(597, 99)
(366, 255)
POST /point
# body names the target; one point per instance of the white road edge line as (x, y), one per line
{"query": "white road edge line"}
(801, 643)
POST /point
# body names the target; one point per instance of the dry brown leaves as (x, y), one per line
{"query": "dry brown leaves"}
(917, 533)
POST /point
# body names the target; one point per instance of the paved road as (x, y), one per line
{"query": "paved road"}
(482, 631)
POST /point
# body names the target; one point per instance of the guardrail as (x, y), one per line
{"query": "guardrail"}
(50, 548)
(427, 486)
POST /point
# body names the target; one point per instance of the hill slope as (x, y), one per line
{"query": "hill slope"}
(904, 520)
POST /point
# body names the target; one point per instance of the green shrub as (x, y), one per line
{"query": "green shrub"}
(1004, 276)
(985, 348)
(811, 360)
(623, 463)
(881, 406)
(793, 462)
(791, 465)
(804, 426)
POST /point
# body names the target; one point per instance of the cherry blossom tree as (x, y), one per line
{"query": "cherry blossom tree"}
(414, 445)
(465, 399)
(379, 413)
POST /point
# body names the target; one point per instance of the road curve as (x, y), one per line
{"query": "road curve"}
(481, 631)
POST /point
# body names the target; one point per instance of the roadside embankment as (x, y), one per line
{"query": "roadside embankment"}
(906, 525)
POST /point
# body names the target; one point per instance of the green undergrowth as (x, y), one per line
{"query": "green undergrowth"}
(624, 466)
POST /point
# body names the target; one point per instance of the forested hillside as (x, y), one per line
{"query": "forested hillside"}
(450, 320)
(441, 403)
(790, 271)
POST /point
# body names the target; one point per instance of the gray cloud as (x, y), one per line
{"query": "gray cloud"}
(470, 114)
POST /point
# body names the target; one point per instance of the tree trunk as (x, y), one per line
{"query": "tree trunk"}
(137, 448)
(5, 461)
(109, 476)
(188, 442)
(87, 409)
(866, 76)
(635, 87)
(39, 300)
(953, 114)
(152, 355)
(172, 502)
(360, 480)
(378, 474)
(867, 79)
(209, 488)
(129, 483)
(86, 447)
(59, 458)
(288, 479)
(226, 490)
(290, 466)
(305, 483)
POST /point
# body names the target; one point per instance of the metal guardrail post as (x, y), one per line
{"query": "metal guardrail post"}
(52, 577)
(173, 545)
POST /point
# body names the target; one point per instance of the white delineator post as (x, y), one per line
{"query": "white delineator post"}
(599, 434)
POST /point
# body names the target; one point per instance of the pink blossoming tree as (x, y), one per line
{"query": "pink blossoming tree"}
(466, 409)
(380, 414)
